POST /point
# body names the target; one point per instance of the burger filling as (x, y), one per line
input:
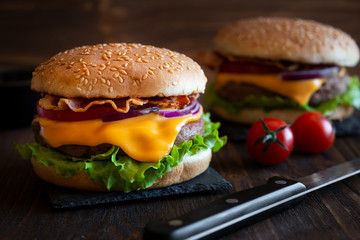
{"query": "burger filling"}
(252, 83)
(187, 132)
(154, 135)
(332, 87)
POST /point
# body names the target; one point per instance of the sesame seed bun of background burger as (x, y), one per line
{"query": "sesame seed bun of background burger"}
(120, 117)
(281, 67)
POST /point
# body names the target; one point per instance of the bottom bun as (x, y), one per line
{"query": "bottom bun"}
(251, 115)
(190, 167)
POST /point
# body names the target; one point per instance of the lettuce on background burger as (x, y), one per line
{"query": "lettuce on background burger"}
(120, 117)
(281, 67)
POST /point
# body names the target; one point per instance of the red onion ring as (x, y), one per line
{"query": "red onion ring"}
(193, 108)
(310, 74)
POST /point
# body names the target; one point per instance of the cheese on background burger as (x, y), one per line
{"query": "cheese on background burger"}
(281, 67)
(120, 117)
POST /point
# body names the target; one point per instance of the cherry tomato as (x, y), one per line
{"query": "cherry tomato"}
(270, 141)
(313, 133)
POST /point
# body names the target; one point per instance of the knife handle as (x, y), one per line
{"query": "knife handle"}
(231, 212)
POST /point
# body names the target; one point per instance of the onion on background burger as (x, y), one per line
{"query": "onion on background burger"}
(120, 117)
(281, 67)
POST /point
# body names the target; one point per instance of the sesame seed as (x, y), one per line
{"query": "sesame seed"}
(161, 67)
(77, 70)
(116, 75)
(138, 60)
(78, 88)
(145, 60)
(90, 87)
(77, 76)
(123, 72)
(170, 71)
(95, 80)
(103, 80)
(102, 66)
(113, 69)
(99, 72)
(125, 64)
(121, 79)
(145, 76)
(108, 82)
(105, 57)
(152, 68)
(151, 72)
(174, 83)
(86, 81)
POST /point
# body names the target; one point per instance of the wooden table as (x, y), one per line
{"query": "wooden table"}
(32, 32)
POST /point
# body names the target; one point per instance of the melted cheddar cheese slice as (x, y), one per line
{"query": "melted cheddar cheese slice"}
(299, 91)
(146, 138)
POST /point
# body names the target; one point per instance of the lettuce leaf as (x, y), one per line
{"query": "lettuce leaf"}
(350, 97)
(122, 173)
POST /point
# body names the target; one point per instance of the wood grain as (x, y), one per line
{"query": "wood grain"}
(32, 31)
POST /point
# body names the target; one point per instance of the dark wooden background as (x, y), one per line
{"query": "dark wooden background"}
(32, 31)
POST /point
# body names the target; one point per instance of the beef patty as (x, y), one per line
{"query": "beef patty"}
(332, 87)
(187, 132)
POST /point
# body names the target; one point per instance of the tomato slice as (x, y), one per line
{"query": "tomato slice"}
(70, 116)
(248, 68)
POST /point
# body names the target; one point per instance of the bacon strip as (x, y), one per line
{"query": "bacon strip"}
(51, 102)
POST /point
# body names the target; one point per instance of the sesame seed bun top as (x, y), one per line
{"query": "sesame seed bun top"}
(295, 40)
(118, 70)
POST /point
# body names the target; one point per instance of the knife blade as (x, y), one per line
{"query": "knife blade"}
(239, 209)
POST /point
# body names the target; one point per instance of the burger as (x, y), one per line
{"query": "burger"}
(120, 117)
(281, 67)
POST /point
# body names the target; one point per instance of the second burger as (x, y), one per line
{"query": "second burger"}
(282, 67)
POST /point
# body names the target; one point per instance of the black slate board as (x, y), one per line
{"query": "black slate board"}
(60, 197)
(238, 132)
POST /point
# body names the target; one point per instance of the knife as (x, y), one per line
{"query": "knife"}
(236, 210)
